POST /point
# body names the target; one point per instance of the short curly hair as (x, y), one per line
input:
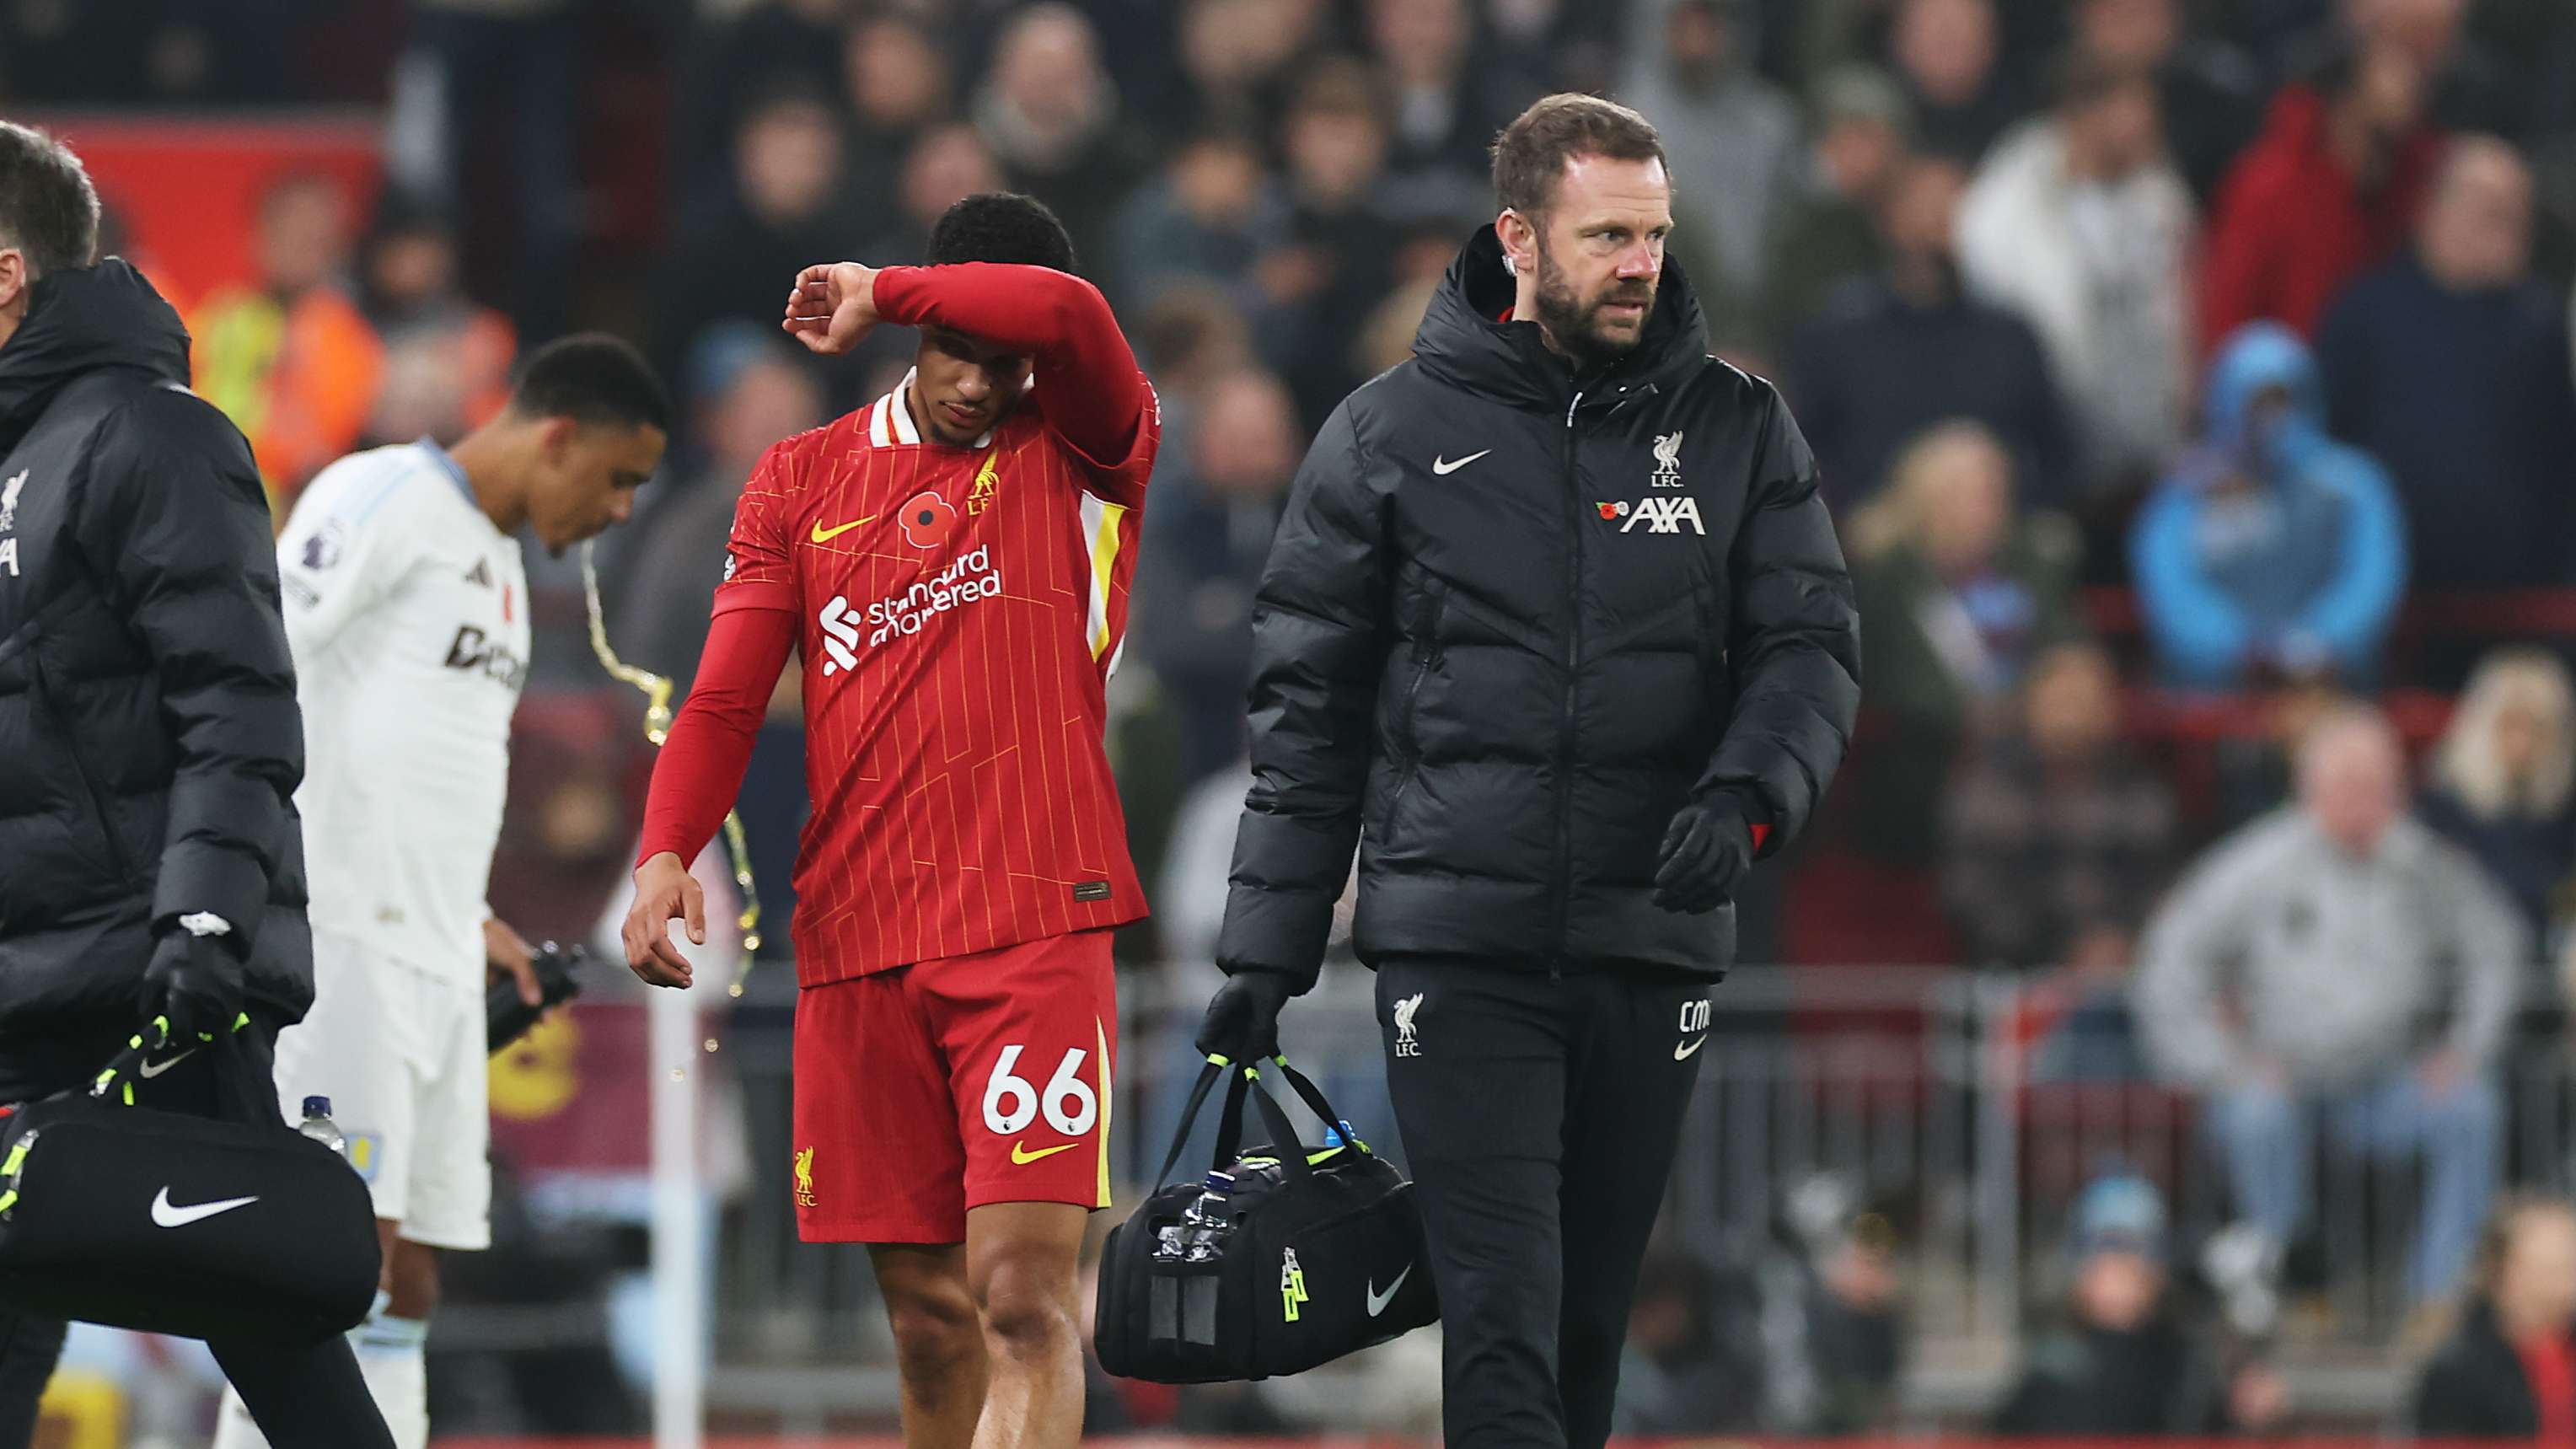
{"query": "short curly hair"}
(1001, 226)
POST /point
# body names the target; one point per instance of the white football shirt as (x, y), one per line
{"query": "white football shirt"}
(407, 611)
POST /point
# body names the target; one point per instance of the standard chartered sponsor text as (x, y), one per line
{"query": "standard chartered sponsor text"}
(968, 578)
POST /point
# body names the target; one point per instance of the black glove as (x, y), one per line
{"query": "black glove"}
(1242, 1022)
(194, 982)
(1707, 849)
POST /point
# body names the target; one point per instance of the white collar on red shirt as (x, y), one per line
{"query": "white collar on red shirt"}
(890, 419)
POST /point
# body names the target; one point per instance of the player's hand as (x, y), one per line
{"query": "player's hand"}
(506, 953)
(832, 307)
(1242, 1022)
(664, 892)
(1706, 850)
(194, 984)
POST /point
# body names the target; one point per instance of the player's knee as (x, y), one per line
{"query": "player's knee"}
(935, 1334)
(1026, 1298)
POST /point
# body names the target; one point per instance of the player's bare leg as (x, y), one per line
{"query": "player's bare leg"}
(1023, 1261)
(938, 1341)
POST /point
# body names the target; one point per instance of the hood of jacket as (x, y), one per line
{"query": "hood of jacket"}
(1463, 342)
(2259, 358)
(77, 322)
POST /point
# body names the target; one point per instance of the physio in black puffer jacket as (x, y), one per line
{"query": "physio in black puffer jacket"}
(150, 860)
(1556, 632)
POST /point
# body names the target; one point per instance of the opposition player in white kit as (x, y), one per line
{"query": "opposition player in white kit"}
(407, 610)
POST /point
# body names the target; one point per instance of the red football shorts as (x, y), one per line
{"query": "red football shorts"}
(948, 1084)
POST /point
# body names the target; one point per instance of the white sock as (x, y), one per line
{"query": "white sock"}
(391, 1360)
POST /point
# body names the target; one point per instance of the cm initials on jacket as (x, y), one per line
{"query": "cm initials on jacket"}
(1516, 616)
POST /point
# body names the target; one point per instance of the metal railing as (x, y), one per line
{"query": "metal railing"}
(1931, 1093)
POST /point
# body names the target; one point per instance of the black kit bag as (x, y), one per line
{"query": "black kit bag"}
(1309, 1254)
(178, 1224)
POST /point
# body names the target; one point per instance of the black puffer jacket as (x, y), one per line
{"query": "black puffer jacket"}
(1513, 619)
(149, 741)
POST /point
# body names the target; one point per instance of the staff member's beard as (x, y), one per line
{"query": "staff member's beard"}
(1576, 323)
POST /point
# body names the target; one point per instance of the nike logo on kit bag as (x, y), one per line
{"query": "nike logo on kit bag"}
(1377, 1301)
(149, 1070)
(165, 1214)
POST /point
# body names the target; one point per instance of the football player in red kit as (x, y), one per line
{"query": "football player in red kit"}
(952, 564)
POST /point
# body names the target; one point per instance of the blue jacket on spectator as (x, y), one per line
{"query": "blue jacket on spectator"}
(2271, 545)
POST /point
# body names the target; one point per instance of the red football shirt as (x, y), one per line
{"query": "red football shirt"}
(958, 611)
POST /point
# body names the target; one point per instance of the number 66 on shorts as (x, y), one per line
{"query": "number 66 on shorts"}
(948, 1084)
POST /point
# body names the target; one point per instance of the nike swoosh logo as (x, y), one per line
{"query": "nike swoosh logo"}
(166, 1216)
(1683, 1052)
(149, 1070)
(826, 535)
(1444, 467)
(1377, 1301)
(1021, 1156)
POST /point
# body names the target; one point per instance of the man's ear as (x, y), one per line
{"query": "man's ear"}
(15, 277)
(1519, 236)
(555, 438)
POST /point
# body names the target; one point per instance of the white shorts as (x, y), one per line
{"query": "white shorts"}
(400, 1053)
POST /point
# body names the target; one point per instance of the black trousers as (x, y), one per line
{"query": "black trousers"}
(304, 1395)
(1539, 1119)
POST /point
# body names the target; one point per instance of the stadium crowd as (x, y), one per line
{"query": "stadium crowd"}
(2192, 382)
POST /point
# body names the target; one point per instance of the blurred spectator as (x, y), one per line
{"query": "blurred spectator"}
(2211, 92)
(1950, 58)
(1902, 351)
(737, 261)
(2510, 1370)
(1052, 117)
(1205, 541)
(447, 360)
(2500, 782)
(2271, 549)
(748, 389)
(2058, 837)
(896, 78)
(1730, 137)
(1823, 233)
(2078, 224)
(1957, 595)
(946, 165)
(1832, 1319)
(1333, 267)
(1682, 1373)
(1446, 111)
(727, 69)
(513, 64)
(2330, 187)
(2119, 1362)
(289, 358)
(2450, 365)
(1238, 61)
(2469, 86)
(2340, 957)
(1208, 217)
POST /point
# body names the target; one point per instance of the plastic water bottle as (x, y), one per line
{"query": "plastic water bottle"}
(317, 1124)
(1205, 1225)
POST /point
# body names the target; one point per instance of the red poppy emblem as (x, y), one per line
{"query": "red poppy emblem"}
(1610, 510)
(927, 520)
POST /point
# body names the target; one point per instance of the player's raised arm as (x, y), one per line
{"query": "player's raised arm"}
(1094, 394)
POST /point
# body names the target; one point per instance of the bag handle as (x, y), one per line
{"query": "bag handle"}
(1313, 1097)
(116, 1080)
(1208, 1074)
